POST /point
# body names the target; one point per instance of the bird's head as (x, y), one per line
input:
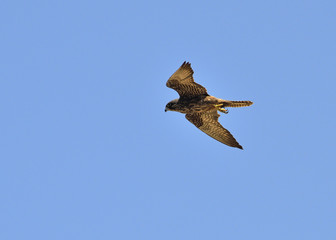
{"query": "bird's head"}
(171, 106)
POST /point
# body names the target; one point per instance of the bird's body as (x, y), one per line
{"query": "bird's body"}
(201, 108)
(204, 103)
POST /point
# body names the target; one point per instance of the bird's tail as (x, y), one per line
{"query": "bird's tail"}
(227, 103)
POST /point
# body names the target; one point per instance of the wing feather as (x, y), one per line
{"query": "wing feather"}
(208, 123)
(183, 82)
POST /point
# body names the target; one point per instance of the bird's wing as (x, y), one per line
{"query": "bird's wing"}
(208, 123)
(182, 81)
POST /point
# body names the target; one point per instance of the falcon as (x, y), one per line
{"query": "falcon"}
(199, 107)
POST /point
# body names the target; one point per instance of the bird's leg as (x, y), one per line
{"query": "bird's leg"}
(219, 108)
(223, 110)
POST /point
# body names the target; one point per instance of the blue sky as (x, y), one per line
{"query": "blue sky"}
(87, 151)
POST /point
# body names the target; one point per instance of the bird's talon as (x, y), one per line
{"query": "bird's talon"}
(223, 110)
(219, 108)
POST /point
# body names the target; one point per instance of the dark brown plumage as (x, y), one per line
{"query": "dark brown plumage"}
(201, 108)
(182, 81)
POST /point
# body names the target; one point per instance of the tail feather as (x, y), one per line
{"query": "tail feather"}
(228, 103)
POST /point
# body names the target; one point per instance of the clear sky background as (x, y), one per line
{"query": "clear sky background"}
(87, 151)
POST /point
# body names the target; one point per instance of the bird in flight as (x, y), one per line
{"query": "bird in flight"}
(199, 107)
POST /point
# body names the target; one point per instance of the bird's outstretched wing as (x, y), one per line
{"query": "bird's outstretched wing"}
(182, 81)
(208, 123)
